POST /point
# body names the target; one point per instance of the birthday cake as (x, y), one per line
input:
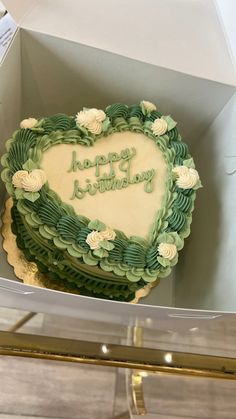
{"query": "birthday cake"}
(102, 200)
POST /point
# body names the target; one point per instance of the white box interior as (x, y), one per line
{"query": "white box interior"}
(44, 74)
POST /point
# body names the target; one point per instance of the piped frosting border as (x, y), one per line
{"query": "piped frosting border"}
(134, 258)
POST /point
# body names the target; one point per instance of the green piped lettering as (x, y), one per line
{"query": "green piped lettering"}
(109, 181)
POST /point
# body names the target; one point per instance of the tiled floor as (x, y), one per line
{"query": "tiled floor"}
(49, 390)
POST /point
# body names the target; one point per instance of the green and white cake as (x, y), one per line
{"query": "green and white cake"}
(102, 200)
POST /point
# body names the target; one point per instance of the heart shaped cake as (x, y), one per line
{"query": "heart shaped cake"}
(102, 200)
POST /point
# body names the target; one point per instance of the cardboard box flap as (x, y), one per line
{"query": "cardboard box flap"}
(18, 9)
(227, 13)
(175, 34)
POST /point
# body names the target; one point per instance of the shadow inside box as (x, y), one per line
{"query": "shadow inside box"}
(197, 269)
(6, 270)
(60, 86)
(66, 76)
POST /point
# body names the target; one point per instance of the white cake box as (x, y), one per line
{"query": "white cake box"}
(70, 54)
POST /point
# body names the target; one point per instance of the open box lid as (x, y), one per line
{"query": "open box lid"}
(18, 10)
(186, 36)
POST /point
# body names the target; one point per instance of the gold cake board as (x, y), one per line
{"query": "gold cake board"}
(28, 271)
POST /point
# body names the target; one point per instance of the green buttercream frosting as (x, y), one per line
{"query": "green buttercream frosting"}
(151, 258)
(117, 253)
(117, 110)
(97, 225)
(180, 148)
(153, 115)
(177, 220)
(58, 122)
(69, 227)
(50, 213)
(135, 124)
(52, 235)
(82, 236)
(17, 156)
(182, 202)
(121, 124)
(26, 137)
(134, 255)
(136, 111)
(173, 135)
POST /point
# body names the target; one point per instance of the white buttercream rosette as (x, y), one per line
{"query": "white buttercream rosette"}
(18, 177)
(108, 234)
(167, 250)
(168, 246)
(28, 123)
(159, 127)
(95, 238)
(148, 106)
(187, 177)
(30, 182)
(91, 119)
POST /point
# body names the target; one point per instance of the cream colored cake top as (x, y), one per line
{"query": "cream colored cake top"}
(82, 177)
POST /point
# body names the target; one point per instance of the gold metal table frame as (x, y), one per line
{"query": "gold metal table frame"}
(137, 358)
